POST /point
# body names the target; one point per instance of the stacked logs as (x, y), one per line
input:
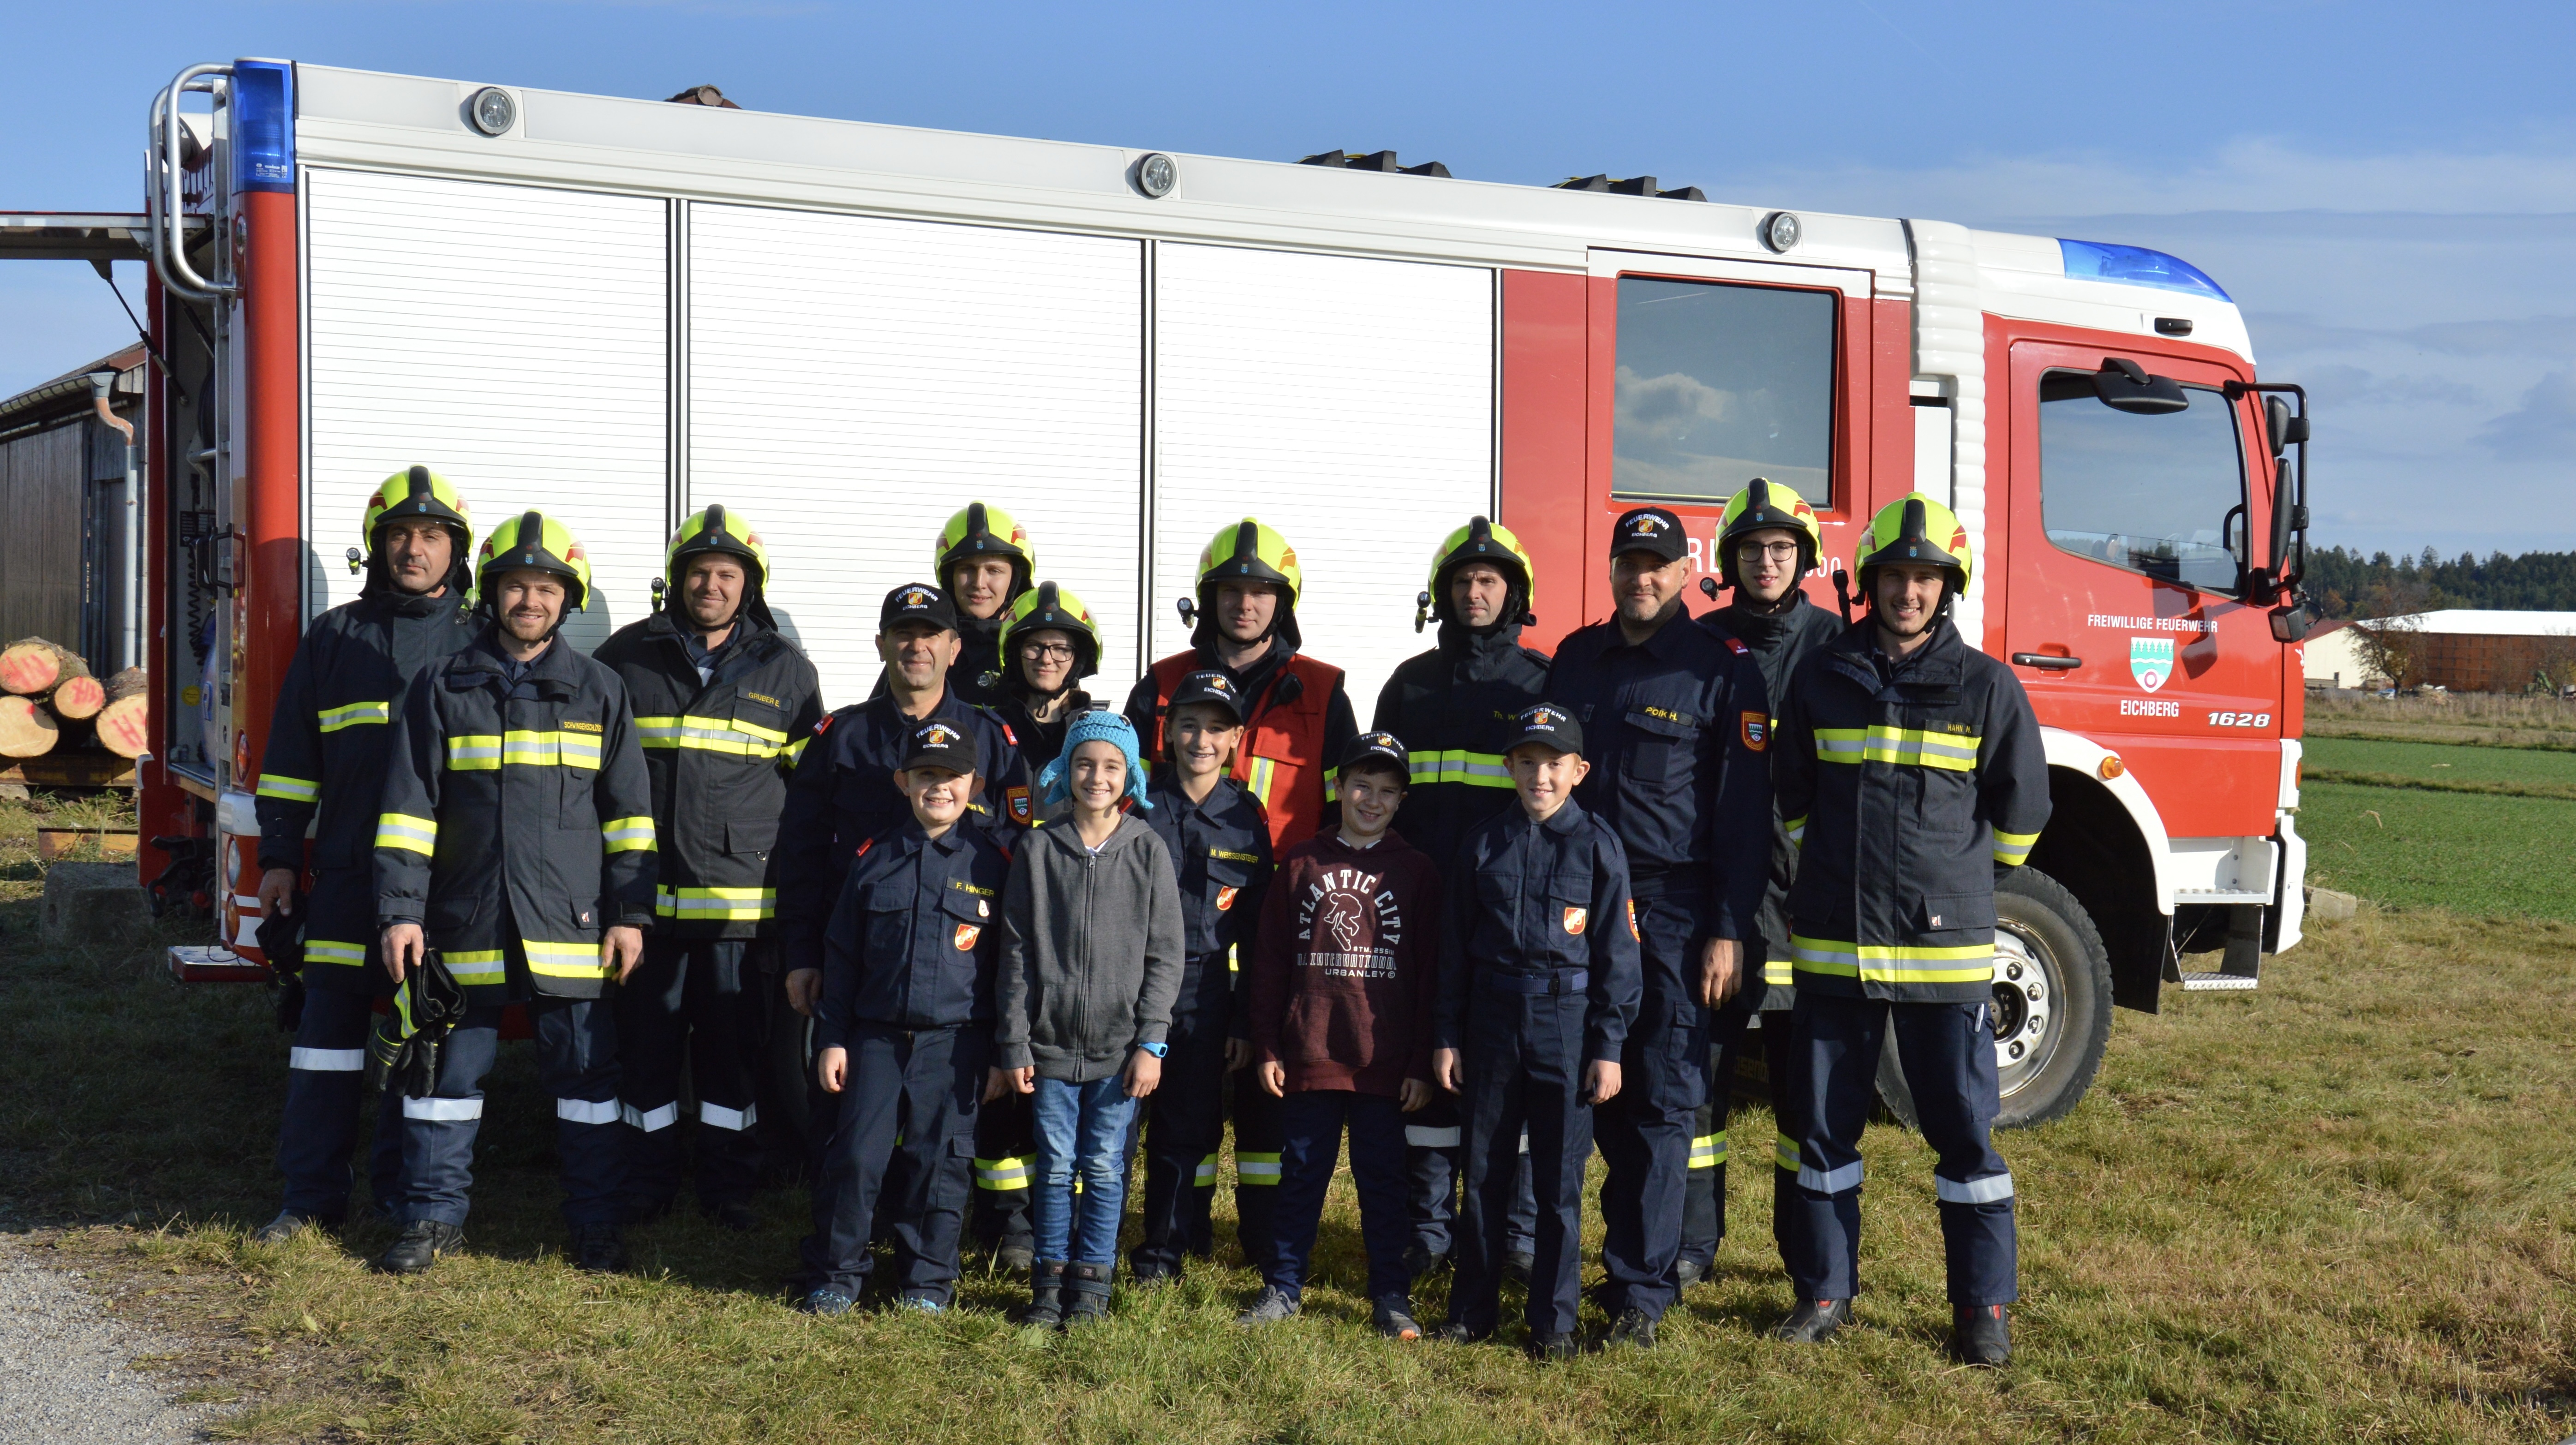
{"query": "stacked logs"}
(46, 688)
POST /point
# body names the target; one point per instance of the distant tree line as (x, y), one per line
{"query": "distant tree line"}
(2347, 584)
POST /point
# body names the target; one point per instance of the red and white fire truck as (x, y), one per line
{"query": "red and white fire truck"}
(621, 311)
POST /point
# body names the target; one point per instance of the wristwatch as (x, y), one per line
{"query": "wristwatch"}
(1157, 1050)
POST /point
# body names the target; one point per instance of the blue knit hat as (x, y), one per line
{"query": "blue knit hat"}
(1098, 726)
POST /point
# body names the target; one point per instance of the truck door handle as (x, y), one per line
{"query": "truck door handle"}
(2046, 660)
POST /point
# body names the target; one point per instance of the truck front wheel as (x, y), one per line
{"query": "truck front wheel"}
(2052, 1005)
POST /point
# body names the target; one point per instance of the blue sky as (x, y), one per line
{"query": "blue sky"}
(2389, 191)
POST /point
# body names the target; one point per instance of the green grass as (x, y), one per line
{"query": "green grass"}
(2528, 772)
(2339, 1209)
(2411, 848)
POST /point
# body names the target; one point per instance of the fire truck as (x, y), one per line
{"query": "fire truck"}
(621, 311)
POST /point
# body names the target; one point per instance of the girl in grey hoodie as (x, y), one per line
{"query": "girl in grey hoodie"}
(1092, 948)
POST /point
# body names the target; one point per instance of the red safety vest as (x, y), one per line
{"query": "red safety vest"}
(1282, 758)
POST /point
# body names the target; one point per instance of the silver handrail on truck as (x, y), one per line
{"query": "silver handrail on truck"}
(168, 248)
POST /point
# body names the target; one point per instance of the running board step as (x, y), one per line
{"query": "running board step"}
(2214, 982)
(214, 963)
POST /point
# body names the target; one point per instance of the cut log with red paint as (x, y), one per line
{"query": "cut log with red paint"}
(26, 730)
(123, 719)
(31, 666)
(78, 699)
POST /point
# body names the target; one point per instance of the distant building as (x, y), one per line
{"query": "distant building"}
(64, 548)
(2459, 648)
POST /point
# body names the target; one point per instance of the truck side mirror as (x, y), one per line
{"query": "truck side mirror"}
(2292, 623)
(2123, 385)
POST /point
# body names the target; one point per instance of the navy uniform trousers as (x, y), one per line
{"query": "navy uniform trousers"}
(576, 1064)
(1730, 1034)
(1948, 1052)
(1184, 1123)
(1522, 1055)
(1433, 1164)
(686, 987)
(900, 1152)
(1645, 1129)
(325, 1095)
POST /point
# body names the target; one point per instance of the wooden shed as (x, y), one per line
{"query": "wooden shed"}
(65, 550)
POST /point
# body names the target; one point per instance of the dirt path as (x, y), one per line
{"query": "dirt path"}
(66, 1371)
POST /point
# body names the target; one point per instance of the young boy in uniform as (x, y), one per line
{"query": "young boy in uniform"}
(1219, 839)
(903, 1033)
(1091, 961)
(1539, 982)
(1341, 994)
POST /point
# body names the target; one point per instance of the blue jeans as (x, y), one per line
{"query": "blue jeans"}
(1081, 1127)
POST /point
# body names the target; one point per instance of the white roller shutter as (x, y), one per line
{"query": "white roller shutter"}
(853, 381)
(511, 338)
(1349, 404)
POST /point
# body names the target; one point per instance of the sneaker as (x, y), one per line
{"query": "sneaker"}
(1813, 1321)
(921, 1304)
(1517, 1266)
(1273, 1306)
(598, 1249)
(1457, 1332)
(1631, 1328)
(1393, 1317)
(829, 1303)
(734, 1215)
(1552, 1349)
(1980, 1335)
(422, 1242)
(1421, 1259)
(288, 1224)
(1688, 1272)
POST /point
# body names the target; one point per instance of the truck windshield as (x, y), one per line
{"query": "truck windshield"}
(1720, 384)
(2162, 495)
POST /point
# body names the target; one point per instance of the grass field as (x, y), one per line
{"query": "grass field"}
(2342, 1208)
(2525, 772)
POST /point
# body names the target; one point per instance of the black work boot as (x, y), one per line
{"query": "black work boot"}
(1553, 1348)
(1813, 1321)
(1086, 1293)
(598, 1249)
(734, 1215)
(422, 1242)
(1631, 1328)
(1015, 1253)
(1046, 1295)
(288, 1224)
(1980, 1335)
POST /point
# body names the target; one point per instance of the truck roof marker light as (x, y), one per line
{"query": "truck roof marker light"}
(2135, 266)
(263, 105)
(2110, 767)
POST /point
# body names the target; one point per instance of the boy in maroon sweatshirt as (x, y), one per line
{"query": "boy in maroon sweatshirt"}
(1343, 977)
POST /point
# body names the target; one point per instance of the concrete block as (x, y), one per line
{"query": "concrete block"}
(93, 903)
(2327, 906)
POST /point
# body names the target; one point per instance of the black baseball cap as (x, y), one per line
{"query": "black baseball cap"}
(1207, 685)
(939, 743)
(1548, 726)
(1649, 529)
(917, 602)
(1385, 748)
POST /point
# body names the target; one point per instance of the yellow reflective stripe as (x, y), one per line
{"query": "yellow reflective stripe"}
(1332, 785)
(1256, 1168)
(332, 950)
(628, 835)
(768, 735)
(475, 965)
(1259, 778)
(1205, 1174)
(1775, 972)
(1914, 747)
(548, 750)
(1784, 1152)
(796, 749)
(288, 790)
(1460, 766)
(474, 753)
(711, 734)
(562, 960)
(403, 830)
(748, 905)
(335, 718)
(1797, 830)
(2013, 848)
(1708, 1150)
(1893, 963)
(1002, 1174)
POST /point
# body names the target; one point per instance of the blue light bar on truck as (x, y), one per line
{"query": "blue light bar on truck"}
(2135, 265)
(263, 126)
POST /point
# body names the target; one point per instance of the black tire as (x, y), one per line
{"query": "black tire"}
(2052, 997)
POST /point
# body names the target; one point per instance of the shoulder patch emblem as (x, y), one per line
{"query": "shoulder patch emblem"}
(1740, 649)
(1019, 801)
(967, 933)
(1225, 898)
(1576, 919)
(1757, 731)
(1632, 922)
(863, 850)
(823, 726)
(1008, 736)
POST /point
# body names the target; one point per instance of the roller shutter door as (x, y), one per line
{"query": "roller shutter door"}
(855, 380)
(1346, 402)
(511, 338)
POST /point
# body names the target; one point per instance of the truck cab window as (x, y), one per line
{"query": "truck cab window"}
(2163, 495)
(1720, 384)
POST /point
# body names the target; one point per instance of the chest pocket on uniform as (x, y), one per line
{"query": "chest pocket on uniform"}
(760, 721)
(1664, 748)
(1568, 919)
(885, 919)
(969, 915)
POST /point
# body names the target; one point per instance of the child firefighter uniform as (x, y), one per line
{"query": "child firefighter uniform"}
(1910, 771)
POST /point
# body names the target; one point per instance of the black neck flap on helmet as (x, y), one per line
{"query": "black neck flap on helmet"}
(1915, 525)
(713, 537)
(460, 553)
(1480, 546)
(1760, 515)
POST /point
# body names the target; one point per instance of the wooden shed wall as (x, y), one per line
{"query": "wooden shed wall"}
(41, 488)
